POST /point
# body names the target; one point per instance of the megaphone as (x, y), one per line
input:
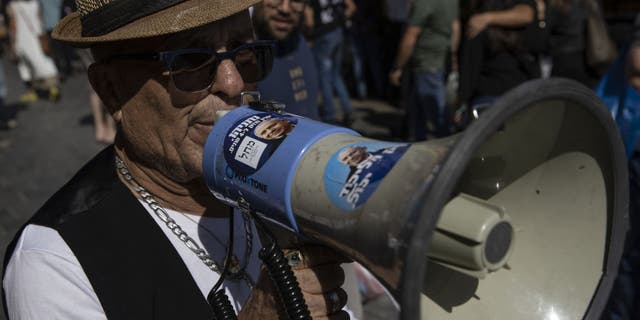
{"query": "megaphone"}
(521, 216)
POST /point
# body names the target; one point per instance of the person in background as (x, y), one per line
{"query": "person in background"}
(396, 17)
(51, 15)
(36, 68)
(7, 118)
(568, 21)
(518, 13)
(294, 79)
(395, 23)
(537, 38)
(494, 56)
(104, 127)
(427, 41)
(367, 38)
(293, 64)
(325, 20)
(67, 52)
(136, 233)
(354, 57)
(633, 69)
(624, 302)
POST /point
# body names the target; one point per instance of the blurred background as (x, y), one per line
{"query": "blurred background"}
(394, 70)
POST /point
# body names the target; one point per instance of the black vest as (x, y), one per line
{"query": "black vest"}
(132, 266)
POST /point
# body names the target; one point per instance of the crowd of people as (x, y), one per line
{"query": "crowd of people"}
(409, 53)
(438, 61)
(441, 61)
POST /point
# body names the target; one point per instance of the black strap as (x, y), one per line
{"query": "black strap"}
(119, 13)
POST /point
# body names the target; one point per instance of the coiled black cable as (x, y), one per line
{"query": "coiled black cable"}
(279, 271)
(282, 275)
(222, 308)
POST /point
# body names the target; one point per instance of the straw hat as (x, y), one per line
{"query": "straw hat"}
(111, 20)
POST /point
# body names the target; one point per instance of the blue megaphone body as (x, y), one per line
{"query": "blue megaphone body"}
(240, 158)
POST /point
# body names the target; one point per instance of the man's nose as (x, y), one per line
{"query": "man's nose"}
(285, 6)
(228, 80)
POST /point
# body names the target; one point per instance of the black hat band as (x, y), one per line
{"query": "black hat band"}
(119, 13)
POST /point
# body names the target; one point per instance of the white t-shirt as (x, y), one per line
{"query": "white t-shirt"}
(45, 271)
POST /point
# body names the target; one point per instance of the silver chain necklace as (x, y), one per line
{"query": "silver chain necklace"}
(236, 272)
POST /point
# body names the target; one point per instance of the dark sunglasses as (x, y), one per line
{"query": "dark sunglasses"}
(194, 70)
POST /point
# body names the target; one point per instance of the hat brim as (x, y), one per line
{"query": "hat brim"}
(183, 16)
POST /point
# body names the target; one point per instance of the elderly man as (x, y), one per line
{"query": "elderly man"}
(136, 234)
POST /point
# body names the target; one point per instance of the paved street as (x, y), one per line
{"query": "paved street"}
(52, 141)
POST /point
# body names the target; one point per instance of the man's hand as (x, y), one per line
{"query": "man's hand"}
(320, 278)
(477, 23)
(518, 16)
(395, 77)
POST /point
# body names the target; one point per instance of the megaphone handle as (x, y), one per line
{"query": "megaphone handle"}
(279, 270)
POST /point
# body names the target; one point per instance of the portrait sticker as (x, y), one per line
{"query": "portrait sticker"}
(354, 172)
(252, 140)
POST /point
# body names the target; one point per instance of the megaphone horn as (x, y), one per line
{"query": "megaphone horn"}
(522, 216)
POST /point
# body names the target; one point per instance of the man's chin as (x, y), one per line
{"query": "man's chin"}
(279, 36)
(281, 33)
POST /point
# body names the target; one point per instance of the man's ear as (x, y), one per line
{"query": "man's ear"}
(103, 79)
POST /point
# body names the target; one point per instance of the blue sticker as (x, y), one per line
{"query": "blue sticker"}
(354, 172)
(252, 140)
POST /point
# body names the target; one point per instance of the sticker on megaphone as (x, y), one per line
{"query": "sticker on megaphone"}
(354, 172)
(253, 139)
